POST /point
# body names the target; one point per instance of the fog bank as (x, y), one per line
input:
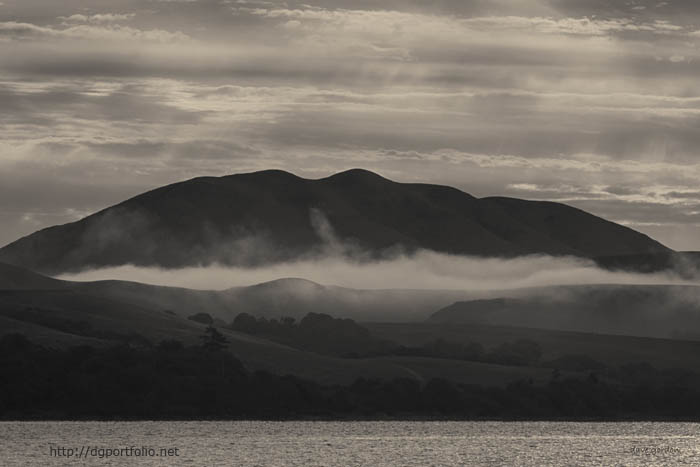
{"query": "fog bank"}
(422, 270)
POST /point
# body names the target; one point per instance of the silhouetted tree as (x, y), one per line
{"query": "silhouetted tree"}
(288, 321)
(316, 332)
(213, 340)
(143, 383)
(246, 323)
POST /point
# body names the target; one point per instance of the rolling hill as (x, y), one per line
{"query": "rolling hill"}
(17, 278)
(273, 216)
(61, 314)
(609, 349)
(283, 297)
(665, 311)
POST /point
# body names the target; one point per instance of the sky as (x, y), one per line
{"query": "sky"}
(595, 104)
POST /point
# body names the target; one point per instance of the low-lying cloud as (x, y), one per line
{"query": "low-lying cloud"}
(422, 270)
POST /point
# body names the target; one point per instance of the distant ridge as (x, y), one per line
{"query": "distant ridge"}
(270, 216)
(666, 311)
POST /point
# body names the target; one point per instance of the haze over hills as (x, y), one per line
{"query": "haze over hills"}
(60, 314)
(665, 311)
(273, 216)
(284, 297)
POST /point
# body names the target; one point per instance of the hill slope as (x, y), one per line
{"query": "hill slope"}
(272, 216)
(17, 278)
(275, 299)
(641, 310)
(665, 311)
(108, 312)
(609, 349)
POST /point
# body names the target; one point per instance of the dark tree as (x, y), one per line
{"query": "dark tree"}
(246, 323)
(213, 340)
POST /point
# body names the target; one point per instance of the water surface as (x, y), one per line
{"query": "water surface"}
(346, 444)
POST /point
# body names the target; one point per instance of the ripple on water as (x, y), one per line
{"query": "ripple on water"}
(349, 444)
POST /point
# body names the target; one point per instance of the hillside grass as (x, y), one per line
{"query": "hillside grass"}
(608, 349)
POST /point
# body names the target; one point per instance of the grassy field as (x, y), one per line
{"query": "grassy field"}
(608, 349)
(485, 374)
(102, 313)
(43, 316)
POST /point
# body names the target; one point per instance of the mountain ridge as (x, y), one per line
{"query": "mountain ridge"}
(273, 216)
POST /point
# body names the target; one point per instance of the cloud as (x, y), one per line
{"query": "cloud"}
(423, 270)
(345, 264)
(12, 30)
(99, 18)
(403, 25)
(57, 103)
(562, 96)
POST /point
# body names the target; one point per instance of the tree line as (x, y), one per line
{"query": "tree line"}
(172, 381)
(323, 334)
